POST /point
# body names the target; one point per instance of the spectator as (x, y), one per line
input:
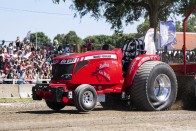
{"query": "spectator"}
(15, 55)
(105, 46)
(28, 77)
(10, 49)
(88, 45)
(32, 47)
(5, 50)
(67, 49)
(1, 63)
(35, 76)
(6, 65)
(2, 76)
(1, 50)
(15, 49)
(21, 76)
(17, 43)
(10, 75)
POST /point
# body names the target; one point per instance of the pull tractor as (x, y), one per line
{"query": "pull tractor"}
(113, 78)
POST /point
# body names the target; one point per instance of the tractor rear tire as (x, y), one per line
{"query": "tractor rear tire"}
(55, 105)
(154, 87)
(85, 98)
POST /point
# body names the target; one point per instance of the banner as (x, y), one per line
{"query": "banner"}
(28, 36)
(149, 42)
(167, 33)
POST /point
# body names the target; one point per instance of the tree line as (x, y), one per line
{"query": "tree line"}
(71, 38)
(118, 12)
(115, 40)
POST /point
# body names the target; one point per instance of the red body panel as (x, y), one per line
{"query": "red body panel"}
(99, 72)
(179, 68)
(134, 66)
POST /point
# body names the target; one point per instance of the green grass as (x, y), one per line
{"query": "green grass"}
(8, 100)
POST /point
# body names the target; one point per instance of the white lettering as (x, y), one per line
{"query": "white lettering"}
(104, 74)
(101, 66)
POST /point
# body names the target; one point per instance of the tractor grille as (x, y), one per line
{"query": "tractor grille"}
(62, 71)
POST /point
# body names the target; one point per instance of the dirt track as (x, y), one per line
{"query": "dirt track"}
(36, 116)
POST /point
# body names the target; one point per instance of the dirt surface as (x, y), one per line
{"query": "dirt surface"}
(35, 115)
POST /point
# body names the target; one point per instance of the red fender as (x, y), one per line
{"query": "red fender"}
(134, 66)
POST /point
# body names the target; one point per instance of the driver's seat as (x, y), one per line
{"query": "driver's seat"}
(131, 49)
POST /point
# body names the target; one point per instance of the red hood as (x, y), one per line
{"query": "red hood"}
(88, 53)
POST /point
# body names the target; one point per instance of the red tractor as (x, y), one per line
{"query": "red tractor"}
(113, 78)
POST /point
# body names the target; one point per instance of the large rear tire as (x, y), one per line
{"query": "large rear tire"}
(55, 105)
(85, 98)
(154, 87)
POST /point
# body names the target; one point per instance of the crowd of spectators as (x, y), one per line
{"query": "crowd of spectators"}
(24, 63)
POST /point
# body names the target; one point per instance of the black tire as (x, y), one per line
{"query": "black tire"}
(55, 105)
(154, 87)
(85, 98)
(113, 101)
(186, 93)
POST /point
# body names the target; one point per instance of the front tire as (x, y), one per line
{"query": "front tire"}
(55, 105)
(85, 98)
(154, 87)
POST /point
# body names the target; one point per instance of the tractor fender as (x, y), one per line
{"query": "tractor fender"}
(134, 66)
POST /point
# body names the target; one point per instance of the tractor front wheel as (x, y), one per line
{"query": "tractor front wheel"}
(154, 87)
(85, 98)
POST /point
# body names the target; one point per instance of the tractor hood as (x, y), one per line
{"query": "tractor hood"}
(95, 54)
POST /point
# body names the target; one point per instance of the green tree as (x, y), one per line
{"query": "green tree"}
(184, 6)
(116, 40)
(190, 25)
(71, 38)
(143, 28)
(178, 26)
(118, 12)
(41, 38)
(59, 38)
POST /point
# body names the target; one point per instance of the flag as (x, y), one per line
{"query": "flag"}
(149, 42)
(28, 36)
(167, 33)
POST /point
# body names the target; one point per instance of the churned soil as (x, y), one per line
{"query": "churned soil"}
(35, 115)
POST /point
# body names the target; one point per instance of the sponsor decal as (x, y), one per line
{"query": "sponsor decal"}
(68, 61)
(101, 72)
(97, 56)
(112, 56)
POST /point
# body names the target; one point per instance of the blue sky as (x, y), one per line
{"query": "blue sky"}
(15, 22)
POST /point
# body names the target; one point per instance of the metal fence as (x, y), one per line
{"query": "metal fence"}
(176, 56)
(26, 81)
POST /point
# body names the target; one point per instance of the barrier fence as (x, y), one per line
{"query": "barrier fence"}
(10, 89)
(24, 81)
(16, 90)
